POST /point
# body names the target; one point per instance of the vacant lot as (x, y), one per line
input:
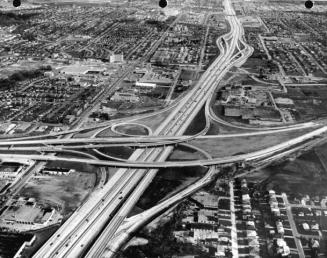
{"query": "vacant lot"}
(154, 121)
(309, 102)
(67, 192)
(304, 175)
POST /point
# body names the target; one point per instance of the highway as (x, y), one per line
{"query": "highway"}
(221, 65)
(132, 224)
(103, 213)
(134, 163)
(125, 188)
(73, 238)
(158, 139)
(100, 220)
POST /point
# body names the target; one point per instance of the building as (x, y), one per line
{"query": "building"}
(116, 58)
(10, 128)
(284, 101)
(281, 248)
(57, 171)
(280, 228)
(78, 70)
(232, 111)
(204, 234)
(10, 170)
(24, 215)
(208, 201)
(145, 85)
(125, 96)
(69, 119)
(22, 127)
(75, 70)
(108, 110)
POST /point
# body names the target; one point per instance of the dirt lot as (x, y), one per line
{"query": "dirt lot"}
(68, 192)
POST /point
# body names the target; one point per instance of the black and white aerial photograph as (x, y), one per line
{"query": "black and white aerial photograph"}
(163, 128)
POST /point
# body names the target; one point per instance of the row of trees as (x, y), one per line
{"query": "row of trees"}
(7, 83)
(8, 19)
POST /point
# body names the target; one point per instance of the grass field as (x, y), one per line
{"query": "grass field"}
(132, 129)
(321, 153)
(216, 128)
(223, 147)
(87, 134)
(68, 192)
(120, 152)
(107, 133)
(154, 121)
(180, 154)
(304, 175)
(169, 181)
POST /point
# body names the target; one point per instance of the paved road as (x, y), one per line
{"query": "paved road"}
(25, 176)
(134, 163)
(116, 199)
(153, 138)
(72, 240)
(293, 227)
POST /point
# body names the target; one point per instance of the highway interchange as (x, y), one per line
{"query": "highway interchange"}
(99, 227)
(73, 238)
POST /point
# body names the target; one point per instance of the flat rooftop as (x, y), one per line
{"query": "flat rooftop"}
(24, 213)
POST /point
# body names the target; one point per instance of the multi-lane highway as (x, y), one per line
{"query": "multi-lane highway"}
(122, 192)
(99, 219)
(114, 201)
(134, 162)
(158, 139)
(177, 125)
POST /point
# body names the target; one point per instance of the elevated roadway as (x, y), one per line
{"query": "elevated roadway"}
(165, 139)
(107, 208)
(122, 192)
(100, 249)
(256, 155)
